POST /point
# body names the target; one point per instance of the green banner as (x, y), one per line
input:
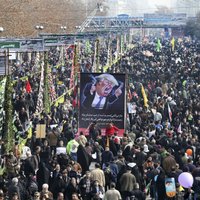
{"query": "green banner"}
(51, 40)
(6, 45)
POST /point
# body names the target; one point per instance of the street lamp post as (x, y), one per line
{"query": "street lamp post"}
(1, 29)
(63, 28)
(39, 28)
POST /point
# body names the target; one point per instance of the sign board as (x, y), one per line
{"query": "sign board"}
(22, 45)
(9, 45)
(49, 42)
(41, 131)
(32, 45)
(60, 41)
(12, 55)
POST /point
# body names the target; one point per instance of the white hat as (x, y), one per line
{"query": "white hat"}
(109, 77)
(146, 149)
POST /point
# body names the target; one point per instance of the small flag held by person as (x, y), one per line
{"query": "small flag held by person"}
(173, 43)
(144, 96)
(158, 46)
(179, 130)
(28, 87)
(170, 113)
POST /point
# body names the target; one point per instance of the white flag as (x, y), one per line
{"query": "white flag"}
(179, 130)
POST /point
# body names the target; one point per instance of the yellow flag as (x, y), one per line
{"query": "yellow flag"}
(60, 99)
(30, 132)
(173, 43)
(22, 142)
(181, 189)
(144, 96)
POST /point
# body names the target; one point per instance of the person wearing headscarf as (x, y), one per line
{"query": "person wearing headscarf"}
(83, 158)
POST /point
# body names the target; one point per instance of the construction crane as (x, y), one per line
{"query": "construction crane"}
(99, 7)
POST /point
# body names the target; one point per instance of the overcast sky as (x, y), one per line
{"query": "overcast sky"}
(139, 7)
(134, 7)
(160, 2)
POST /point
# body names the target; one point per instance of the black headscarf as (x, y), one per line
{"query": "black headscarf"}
(83, 158)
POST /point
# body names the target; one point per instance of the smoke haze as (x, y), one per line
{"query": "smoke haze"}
(134, 7)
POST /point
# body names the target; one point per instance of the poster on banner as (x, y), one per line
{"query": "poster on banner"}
(102, 99)
(41, 131)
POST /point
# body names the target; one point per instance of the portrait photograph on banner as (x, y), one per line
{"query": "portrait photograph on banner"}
(102, 100)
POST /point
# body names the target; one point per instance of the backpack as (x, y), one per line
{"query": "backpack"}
(108, 171)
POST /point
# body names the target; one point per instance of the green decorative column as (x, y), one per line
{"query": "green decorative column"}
(8, 134)
(47, 102)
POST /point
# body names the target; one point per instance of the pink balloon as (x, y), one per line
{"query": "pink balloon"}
(186, 180)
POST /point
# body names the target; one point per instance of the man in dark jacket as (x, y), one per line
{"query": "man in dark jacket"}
(14, 188)
(137, 193)
(85, 186)
(127, 183)
(140, 159)
(107, 156)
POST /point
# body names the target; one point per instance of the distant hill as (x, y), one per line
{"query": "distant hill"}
(19, 17)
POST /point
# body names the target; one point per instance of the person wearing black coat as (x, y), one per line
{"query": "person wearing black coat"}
(83, 158)
(85, 186)
(113, 147)
(137, 193)
(60, 183)
(71, 188)
(28, 165)
(168, 164)
(107, 156)
(43, 175)
(45, 153)
(97, 191)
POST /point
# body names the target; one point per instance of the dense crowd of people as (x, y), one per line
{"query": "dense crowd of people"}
(161, 137)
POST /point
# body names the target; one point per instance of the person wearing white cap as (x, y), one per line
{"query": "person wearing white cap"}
(101, 93)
